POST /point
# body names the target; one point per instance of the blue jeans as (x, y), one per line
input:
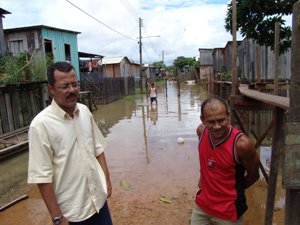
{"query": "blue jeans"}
(101, 218)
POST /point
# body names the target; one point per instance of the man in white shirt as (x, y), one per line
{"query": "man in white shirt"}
(66, 155)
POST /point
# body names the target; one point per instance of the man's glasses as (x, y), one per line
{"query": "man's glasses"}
(67, 86)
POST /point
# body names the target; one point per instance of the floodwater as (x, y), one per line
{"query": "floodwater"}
(144, 158)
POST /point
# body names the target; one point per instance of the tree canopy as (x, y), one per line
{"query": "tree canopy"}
(159, 64)
(181, 62)
(256, 20)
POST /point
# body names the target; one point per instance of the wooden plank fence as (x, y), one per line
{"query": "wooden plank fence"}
(20, 103)
(106, 90)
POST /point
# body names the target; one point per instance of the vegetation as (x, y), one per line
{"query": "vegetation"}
(23, 68)
(184, 64)
(224, 75)
(256, 20)
(159, 65)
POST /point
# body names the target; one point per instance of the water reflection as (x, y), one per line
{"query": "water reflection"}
(106, 116)
(13, 172)
(153, 114)
(142, 122)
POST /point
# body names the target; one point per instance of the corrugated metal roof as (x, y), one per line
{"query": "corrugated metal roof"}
(113, 60)
(89, 55)
(39, 27)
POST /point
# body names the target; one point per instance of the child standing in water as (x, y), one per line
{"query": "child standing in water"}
(153, 93)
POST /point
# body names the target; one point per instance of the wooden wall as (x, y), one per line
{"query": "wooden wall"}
(247, 64)
(106, 90)
(20, 103)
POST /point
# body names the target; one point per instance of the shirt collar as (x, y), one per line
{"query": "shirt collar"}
(60, 112)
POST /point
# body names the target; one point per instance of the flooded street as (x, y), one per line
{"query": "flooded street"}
(154, 177)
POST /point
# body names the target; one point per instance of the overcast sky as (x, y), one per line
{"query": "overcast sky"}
(111, 27)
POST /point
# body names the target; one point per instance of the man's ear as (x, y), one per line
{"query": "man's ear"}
(202, 118)
(51, 89)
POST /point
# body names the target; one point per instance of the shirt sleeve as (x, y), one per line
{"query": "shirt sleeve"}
(40, 169)
(99, 140)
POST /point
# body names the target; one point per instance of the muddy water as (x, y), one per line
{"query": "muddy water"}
(142, 152)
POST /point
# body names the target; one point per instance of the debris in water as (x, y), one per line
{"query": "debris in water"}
(180, 140)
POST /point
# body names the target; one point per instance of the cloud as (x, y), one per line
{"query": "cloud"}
(111, 28)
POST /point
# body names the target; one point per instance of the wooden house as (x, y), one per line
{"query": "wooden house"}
(151, 72)
(59, 44)
(116, 67)
(218, 60)
(2, 43)
(206, 62)
(135, 70)
(228, 55)
(89, 62)
(253, 64)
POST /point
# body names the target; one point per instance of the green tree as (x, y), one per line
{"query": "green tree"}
(182, 62)
(256, 20)
(159, 64)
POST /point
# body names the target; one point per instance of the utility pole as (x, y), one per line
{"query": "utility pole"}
(141, 61)
(291, 167)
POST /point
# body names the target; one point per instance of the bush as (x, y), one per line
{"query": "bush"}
(23, 67)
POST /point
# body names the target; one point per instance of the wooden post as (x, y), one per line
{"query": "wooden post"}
(291, 169)
(141, 58)
(258, 64)
(277, 144)
(276, 57)
(234, 50)
(166, 85)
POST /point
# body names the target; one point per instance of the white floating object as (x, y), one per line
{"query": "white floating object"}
(180, 140)
(190, 82)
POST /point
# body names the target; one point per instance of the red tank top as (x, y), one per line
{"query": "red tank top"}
(222, 177)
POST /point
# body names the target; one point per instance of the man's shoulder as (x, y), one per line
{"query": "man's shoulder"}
(83, 108)
(200, 129)
(42, 115)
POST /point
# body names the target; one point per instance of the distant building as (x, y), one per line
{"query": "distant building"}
(248, 65)
(218, 60)
(59, 44)
(116, 67)
(2, 43)
(206, 62)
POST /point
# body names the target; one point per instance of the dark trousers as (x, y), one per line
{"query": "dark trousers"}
(101, 218)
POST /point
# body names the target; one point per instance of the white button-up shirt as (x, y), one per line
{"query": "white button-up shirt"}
(63, 151)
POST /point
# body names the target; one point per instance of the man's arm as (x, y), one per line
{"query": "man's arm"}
(47, 192)
(200, 129)
(248, 156)
(102, 161)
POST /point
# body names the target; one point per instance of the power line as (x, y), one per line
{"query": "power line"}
(151, 43)
(129, 8)
(100, 21)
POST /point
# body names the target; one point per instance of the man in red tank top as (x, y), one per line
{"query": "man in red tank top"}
(228, 165)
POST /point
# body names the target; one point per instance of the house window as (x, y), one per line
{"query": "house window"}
(68, 52)
(16, 46)
(48, 49)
